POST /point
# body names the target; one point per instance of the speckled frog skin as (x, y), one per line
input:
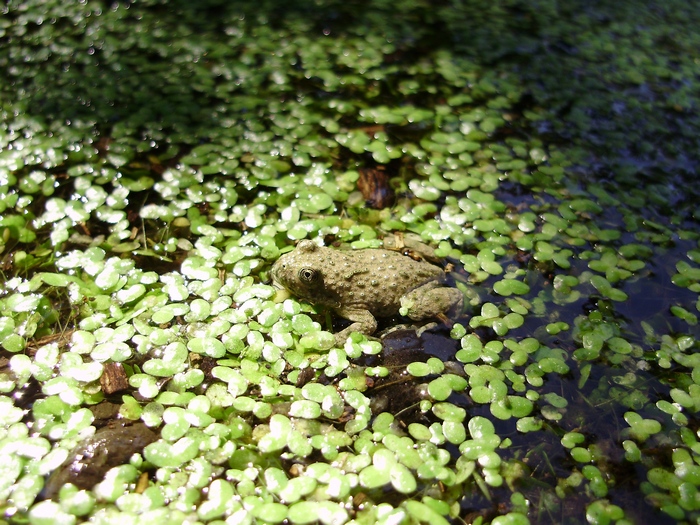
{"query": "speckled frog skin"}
(359, 285)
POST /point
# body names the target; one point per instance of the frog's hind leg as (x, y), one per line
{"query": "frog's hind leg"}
(431, 301)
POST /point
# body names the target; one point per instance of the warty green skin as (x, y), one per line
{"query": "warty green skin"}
(359, 285)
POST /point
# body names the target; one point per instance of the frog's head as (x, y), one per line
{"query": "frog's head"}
(299, 271)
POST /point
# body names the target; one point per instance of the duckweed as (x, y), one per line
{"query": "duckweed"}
(140, 230)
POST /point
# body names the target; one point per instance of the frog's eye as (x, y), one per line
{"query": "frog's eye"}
(308, 275)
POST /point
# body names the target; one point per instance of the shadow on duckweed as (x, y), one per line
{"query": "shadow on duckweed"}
(121, 65)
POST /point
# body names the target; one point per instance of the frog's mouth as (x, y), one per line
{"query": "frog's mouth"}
(276, 282)
(281, 292)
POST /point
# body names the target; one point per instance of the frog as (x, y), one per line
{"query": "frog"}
(361, 285)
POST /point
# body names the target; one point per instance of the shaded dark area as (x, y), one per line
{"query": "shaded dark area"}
(616, 80)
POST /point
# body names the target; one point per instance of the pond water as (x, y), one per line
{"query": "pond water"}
(156, 158)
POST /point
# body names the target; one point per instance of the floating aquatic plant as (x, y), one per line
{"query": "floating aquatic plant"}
(156, 160)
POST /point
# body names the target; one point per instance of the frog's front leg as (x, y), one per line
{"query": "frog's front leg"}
(363, 322)
(432, 300)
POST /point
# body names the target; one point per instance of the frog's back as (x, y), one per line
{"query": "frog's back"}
(375, 279)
